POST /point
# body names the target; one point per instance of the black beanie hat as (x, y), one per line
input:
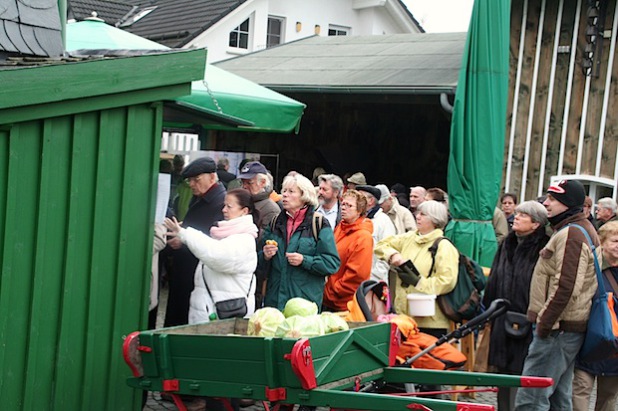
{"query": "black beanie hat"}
(571, 193)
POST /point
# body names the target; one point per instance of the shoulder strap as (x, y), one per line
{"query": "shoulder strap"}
(433, 250)
(316, 224)
(612, 281)
(597, 266)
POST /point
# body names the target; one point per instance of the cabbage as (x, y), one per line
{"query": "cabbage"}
(300, 306)
(297, 327)
(264, 322)
(333, 323)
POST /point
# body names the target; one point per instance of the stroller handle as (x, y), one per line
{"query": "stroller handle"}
(496, 308)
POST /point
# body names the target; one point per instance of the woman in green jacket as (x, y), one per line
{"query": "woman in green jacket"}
(299, 249)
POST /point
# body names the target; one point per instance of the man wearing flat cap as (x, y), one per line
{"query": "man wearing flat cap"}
(561, 291)
(205, 209)
(382, 228)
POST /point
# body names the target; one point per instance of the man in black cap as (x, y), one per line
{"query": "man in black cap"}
(205, 209)
(561, 290)
(256, 180)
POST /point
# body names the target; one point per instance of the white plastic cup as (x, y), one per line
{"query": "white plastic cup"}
(421, 305)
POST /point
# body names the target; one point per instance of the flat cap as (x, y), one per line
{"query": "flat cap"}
(371, 190)
(199, 166)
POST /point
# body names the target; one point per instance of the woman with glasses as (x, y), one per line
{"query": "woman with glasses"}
(353, 236)
(510, 277)
(299, 250)
(227, 258)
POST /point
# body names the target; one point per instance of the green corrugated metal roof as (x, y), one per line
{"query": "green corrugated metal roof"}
(407, 63)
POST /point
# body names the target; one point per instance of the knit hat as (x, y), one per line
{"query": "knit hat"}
(371, 190)
(571, 193)
(357, 178)
(199, 166)
(384, 193)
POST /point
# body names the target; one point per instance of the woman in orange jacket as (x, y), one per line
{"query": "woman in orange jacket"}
(353, 237)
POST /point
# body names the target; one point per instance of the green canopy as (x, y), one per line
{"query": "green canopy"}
(477, 131)
(222, 101)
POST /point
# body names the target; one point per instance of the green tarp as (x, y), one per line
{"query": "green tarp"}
(477, 131)
(223, 101)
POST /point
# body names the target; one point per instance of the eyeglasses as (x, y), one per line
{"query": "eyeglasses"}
(193, 179)
(248, 182)
(347, 205)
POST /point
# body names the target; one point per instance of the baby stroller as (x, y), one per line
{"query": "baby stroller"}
(372, 302)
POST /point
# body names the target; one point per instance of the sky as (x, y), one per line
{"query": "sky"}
(438, 16)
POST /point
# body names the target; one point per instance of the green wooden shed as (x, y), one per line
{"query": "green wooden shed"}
(79, 153)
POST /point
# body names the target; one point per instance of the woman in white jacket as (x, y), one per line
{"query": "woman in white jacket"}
(227, 258)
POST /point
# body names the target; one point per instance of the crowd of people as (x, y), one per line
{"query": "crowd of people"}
(238, 245)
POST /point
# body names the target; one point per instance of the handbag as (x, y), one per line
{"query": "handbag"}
(232, 308)
(601, 341)
(516, 325)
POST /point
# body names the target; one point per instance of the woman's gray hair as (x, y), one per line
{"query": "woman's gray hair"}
(308, 193)
(436, 211)
(535, 210)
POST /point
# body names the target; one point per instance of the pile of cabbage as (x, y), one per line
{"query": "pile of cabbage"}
(300, 318)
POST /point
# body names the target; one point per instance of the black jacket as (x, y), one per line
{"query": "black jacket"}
(510, 277)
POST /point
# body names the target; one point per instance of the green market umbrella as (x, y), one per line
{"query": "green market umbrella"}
(222, 101)
(477, 131)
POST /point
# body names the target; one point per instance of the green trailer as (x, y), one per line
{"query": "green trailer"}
(218, 359)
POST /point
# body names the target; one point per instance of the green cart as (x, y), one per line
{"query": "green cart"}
(217, 359)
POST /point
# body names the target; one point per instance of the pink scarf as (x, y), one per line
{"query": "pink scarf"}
(239, 225)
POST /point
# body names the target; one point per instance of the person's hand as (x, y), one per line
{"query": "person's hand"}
(172, 225)
(173, 241)
(396, 260)
(294, 259)
(270, 249)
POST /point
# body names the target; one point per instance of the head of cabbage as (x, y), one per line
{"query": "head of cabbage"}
(333, 323)
(300, 306)
(264, 322)
(297, 326)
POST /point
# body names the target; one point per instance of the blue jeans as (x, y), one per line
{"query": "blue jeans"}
(553, 357)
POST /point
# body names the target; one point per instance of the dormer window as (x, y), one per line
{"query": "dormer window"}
(134, 15)
(239, 37)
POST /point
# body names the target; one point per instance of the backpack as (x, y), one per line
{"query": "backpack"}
(464, 302)
(317, 222)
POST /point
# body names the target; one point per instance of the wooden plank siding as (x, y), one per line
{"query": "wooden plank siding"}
(550, 98)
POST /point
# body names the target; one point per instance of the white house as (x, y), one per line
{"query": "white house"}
(228, 28)
(259, 24)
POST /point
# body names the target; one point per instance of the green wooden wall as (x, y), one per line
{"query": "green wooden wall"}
(76, 209)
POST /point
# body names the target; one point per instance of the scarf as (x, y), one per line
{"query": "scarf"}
(239, 225)
(555, 220)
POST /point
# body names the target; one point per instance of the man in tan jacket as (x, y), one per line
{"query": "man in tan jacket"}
(561, 291)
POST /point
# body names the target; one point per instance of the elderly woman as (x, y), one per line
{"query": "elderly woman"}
(414, 245)
(604, 372)
(299, 249)
(510, 277)
(353, 236)
(227, 257)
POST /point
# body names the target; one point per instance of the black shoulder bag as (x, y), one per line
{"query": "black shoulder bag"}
(232, 308)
